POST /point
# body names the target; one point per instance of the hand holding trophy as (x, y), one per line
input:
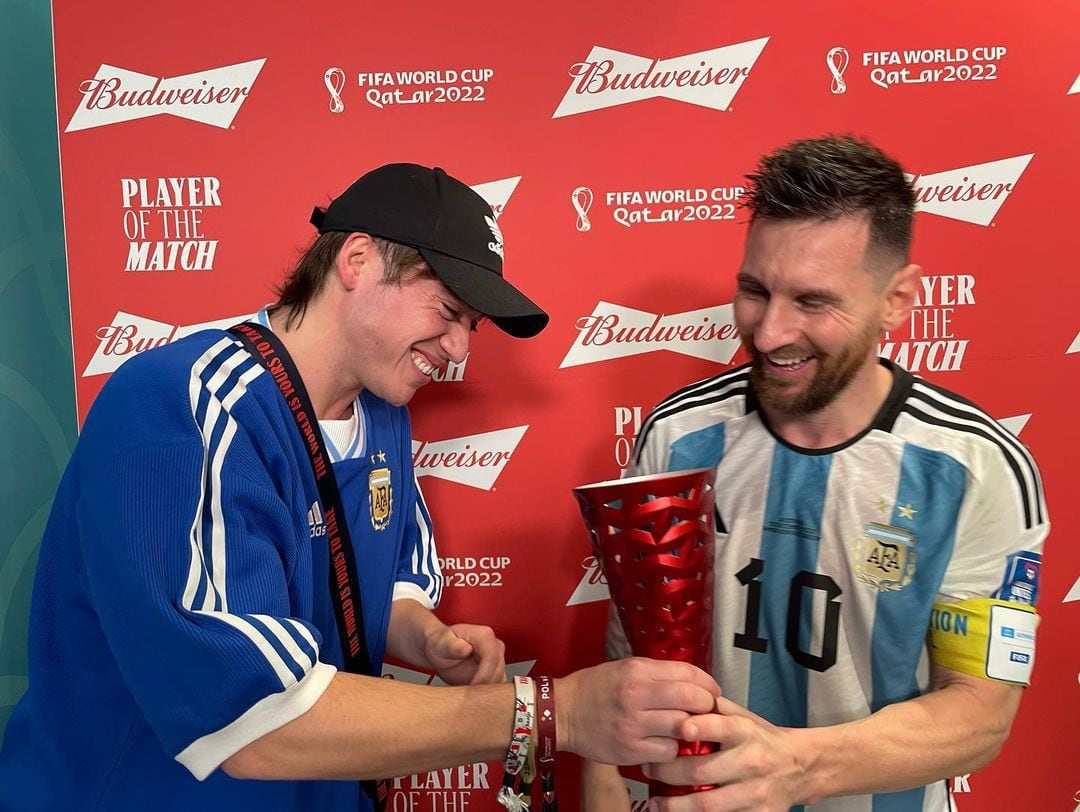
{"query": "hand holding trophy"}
(653, 537)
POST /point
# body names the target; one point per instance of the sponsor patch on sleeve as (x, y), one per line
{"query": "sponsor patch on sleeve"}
(986, 638)
(1021, 584)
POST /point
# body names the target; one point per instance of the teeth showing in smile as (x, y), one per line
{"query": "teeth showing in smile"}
(788, 362)
(421, 364)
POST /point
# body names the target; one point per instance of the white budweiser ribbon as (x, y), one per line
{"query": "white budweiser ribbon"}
(497, 192)
(614, 331)
(210, 97)
(706, 78)
(973, 193)
(127, 335)
(475, 460)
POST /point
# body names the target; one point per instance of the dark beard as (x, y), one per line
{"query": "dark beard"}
(833, 376)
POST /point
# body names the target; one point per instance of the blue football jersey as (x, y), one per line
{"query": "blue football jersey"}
(181, 608)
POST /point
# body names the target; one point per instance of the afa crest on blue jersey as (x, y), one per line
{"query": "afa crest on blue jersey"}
(381, 497)
(885, 557)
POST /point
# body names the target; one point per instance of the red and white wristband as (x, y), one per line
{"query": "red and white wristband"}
(520, 739)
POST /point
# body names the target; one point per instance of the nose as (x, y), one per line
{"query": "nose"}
(455, 341)
(777, 327)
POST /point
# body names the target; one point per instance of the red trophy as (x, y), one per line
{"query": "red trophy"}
(653, 537)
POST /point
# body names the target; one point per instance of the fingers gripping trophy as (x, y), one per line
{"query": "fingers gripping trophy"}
(653, 537)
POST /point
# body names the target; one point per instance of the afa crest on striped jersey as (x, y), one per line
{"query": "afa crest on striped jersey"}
(885, 557)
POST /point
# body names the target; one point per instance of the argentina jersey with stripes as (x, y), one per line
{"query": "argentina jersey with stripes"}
(832, 566)
(181, 608)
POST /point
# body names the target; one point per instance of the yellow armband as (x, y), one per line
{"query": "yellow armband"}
(986, 638)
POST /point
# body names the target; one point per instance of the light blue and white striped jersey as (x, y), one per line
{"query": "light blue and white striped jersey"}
(828, 561)
(181, 608)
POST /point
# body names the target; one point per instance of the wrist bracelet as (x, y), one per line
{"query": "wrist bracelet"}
(545, 740)
(518, 751)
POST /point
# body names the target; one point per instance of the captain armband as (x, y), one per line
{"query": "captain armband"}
(986, 638)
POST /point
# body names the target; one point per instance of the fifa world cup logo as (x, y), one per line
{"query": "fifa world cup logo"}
(334, 79)
(837, 61)
(582, 199)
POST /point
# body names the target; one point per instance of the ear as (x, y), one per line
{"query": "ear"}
(356, 261)
(900, 296)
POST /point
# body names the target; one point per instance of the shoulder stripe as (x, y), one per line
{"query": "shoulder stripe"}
(198, 573)
(705, 393)
(425, 562)
(741, 373)
(960, 408)
(219, 378)
(231, 378)
(919, 412)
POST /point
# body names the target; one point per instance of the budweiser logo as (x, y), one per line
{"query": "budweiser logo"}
(128, 335)
(971, 193)
(497, 193)
(613, 331)
(593, 586)
(209, 97)
(1016, 424)
(1073, 595)
(476, 460)
(708, 78)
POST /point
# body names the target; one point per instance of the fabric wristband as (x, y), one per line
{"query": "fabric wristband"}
(545, 740)
(520, 737)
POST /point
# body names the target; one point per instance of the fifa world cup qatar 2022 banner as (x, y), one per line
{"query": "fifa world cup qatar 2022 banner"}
(612, 140)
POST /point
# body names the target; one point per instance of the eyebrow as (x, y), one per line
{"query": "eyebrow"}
(749, 281)
(451, 300)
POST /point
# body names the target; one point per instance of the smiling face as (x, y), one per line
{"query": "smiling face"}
(400, 333)
(810, 311)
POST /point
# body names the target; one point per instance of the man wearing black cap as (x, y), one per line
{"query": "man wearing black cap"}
(239, 538)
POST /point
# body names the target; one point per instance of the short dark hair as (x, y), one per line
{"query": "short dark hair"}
(833, 176)
(307, 279)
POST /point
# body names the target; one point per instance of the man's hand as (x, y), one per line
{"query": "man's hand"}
(759, 766)
(630, 711)
(464, 654)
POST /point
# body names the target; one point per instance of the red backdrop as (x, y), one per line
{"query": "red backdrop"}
(195, 139)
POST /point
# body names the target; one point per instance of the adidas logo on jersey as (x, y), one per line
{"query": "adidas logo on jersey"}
(315, 520)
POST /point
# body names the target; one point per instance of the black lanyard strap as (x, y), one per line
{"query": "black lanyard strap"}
(265, 348)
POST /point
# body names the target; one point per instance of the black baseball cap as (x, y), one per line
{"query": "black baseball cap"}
(452, 227)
